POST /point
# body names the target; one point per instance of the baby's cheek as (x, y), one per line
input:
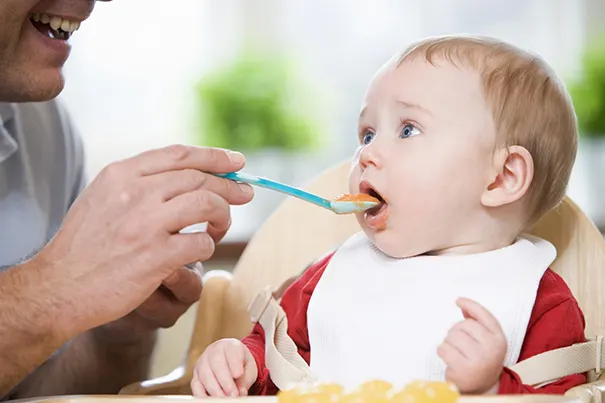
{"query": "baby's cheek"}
(393, 244)
(409, 224)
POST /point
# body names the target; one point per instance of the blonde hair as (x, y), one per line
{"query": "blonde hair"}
(530, 105)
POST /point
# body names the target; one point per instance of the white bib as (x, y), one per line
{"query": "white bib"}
(376, 317)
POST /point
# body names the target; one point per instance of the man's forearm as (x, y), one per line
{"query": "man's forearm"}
(91, 364)
(35, 324)
(28, 330)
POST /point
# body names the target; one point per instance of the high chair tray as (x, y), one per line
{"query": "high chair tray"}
(272, 399)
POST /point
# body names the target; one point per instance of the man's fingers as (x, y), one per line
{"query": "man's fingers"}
(174, 183)
(196, 207)
(162, 309)
(188, 248)
(200, 206)
(216, 233)
(185, 285)
(473, 310)
(175, 157)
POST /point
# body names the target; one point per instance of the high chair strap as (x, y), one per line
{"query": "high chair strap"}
(555, 364)
(286, 367)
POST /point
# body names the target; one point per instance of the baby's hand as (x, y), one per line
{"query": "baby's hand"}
(474, 350)
(226, 368)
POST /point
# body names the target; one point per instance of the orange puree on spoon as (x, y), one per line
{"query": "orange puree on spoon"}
(360, 197)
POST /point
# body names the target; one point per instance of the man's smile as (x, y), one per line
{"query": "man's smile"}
(54, 27)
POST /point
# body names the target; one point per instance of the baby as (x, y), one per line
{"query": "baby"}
(467, 142)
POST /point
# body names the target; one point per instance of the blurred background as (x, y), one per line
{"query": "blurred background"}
(282, 81)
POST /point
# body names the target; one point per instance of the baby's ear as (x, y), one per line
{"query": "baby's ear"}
(511, 177)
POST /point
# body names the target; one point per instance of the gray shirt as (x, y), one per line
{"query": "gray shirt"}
(41, 174)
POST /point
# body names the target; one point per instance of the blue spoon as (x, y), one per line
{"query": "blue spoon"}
(339, 207)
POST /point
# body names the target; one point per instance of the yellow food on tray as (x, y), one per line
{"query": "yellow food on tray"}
(373, 392)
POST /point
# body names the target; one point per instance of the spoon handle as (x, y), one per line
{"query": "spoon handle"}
(278, 187)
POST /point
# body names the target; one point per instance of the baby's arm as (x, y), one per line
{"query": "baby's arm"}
(556, 322)
(294, 302)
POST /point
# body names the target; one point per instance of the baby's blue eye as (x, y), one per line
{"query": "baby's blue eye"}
(409, 130)
(367, 138)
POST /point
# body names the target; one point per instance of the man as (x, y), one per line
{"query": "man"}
(80, 315)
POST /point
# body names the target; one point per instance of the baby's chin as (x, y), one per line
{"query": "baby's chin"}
(392, 244)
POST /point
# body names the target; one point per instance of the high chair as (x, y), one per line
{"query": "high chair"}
(298, 233)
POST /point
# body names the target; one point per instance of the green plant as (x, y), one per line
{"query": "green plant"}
(588, 93)
(255, 103)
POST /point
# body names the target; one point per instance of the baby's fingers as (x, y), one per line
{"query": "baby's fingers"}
(248, 378)
(209, 381)
(473, 310)
(235, 356)
(196, 387)
(223, 375)
(463, 341)
(454, 361)
(450, 354)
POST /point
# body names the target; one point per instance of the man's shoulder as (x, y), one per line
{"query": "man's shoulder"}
(45, 168)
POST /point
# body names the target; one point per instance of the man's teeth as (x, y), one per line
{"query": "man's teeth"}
(56, 22)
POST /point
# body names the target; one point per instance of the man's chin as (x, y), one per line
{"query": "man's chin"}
(49, 92)
(36, 86)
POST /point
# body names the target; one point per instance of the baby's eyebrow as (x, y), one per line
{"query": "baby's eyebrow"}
(412, 105)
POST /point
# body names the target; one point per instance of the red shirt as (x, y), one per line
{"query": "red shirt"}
(556, 321)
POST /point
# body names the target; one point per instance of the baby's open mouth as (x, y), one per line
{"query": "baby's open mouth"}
(54, 27)
(376, 210)
(366, 188)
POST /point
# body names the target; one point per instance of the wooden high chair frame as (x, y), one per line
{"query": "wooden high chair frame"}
(298, 233)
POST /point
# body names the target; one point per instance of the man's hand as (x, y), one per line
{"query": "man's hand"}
(226, 368)
(120, 241)
(474, 350)
(161, 310)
